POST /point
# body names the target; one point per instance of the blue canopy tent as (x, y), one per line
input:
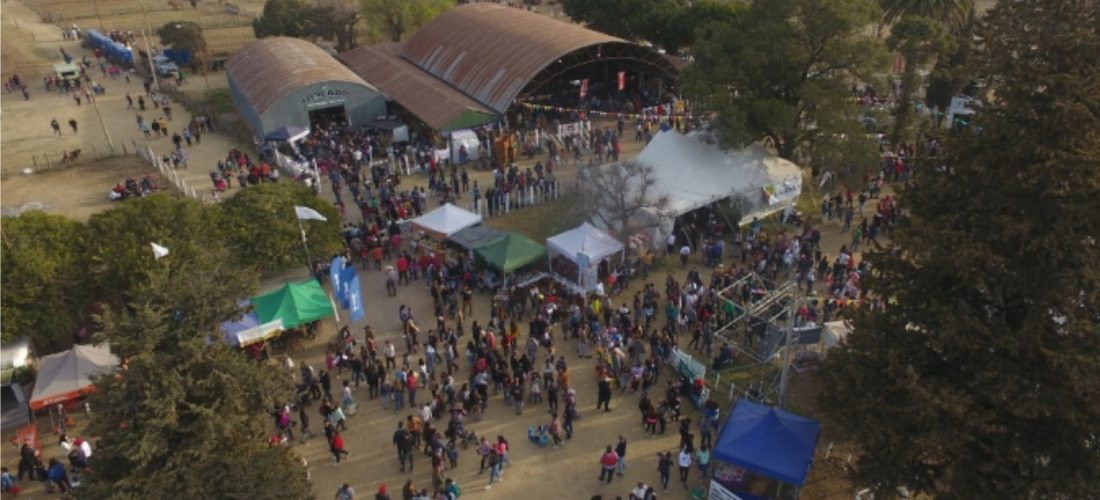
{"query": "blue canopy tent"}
(768, 442)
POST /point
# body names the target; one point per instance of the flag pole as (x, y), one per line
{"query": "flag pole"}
(302, 230)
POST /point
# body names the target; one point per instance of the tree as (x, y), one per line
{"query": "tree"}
(292, 18)
(657, 21)
(782, 72)
(681, 28)
(335, 21)
(920, 40)
(184, 35)
(263, 231)
(976, 379)
(45, 294)
(118, 241)
(393, 19)
(952, 13)
(183, 418)
(951, 75)
(622, 197)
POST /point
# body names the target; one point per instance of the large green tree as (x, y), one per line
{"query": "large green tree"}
(185, 418)
(118, 240)
(393, 20)
(184, 35)
(920, 40)
(782, 70)
(952, 13)
(977, 378)
(45, 293)
(262, 229)
(292, 18)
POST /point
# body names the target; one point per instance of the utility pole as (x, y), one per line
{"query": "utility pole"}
(792, 309)
(102, 124)
(95, 4)
(149, 50)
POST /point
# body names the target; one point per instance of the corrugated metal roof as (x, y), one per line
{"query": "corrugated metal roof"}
(429, 98)
(270, 68)
(490, 52)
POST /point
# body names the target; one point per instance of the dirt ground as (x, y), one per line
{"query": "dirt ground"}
(76, 192)
(535, 473)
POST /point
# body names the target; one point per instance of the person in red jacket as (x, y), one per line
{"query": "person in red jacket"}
(336, 446)
(608, 461)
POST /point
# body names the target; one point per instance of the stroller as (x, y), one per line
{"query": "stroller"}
(538, 435)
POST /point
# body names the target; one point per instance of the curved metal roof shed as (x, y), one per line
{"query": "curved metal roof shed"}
(475, 60)
(282, 82)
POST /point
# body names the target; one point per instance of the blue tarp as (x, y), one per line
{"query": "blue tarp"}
(110, 48)
(768, 441)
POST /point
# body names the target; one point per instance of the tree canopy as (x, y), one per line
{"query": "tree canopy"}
(952, 13)
(781, 71)
(670, 24)
(185, 418)
(393, 20)
(976, 379)
(920, 40)
(260, 225)
(45, 294)
(183, 35)
(292, 18)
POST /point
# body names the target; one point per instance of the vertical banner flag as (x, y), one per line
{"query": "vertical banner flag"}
(584, 88)
(336, 274)
(355, 297)
(346, 275)
(622, 80)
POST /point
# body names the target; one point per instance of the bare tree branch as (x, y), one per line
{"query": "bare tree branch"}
(622, 197)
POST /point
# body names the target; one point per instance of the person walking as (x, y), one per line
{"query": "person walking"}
(620, 451)
(72, 125)
(56, 127)
(604, 394)
(664, 468)
(303, 420)
(403, 441)
(608, 462)
(494, 469)
(336, 447)
(702, 459)
(685, 464)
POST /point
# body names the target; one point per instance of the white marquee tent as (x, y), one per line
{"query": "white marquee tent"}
(446, 220)
(693, 171)
(67, 374)
(586, 246)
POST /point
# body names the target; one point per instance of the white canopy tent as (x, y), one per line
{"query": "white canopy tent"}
(585, 246)
(67, 375)
(446, 220)
(693, 171)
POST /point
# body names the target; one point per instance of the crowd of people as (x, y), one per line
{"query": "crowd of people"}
(52, 473)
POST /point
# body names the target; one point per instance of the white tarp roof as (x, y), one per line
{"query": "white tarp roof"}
(694, 173)
(66, 375)
(447, 220)
(833, 332)
(248, 330)
(584, 239)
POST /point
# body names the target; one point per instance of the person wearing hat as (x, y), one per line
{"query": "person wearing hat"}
(381, 495)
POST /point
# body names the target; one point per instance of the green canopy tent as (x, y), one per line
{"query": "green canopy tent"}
(295, 304)
(510, 252)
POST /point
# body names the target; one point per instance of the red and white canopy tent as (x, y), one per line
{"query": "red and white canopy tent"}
(67, 375)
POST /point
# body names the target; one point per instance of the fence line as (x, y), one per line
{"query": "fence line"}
(170, 173)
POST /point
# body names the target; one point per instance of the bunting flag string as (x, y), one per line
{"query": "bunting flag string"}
(645, 114)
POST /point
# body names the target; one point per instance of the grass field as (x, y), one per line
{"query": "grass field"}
(225, 32)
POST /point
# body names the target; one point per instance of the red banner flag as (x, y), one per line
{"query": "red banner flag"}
(622, 80)
(584, 88)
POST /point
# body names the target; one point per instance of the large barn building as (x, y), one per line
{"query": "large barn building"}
(285, 83)
(467, 67)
